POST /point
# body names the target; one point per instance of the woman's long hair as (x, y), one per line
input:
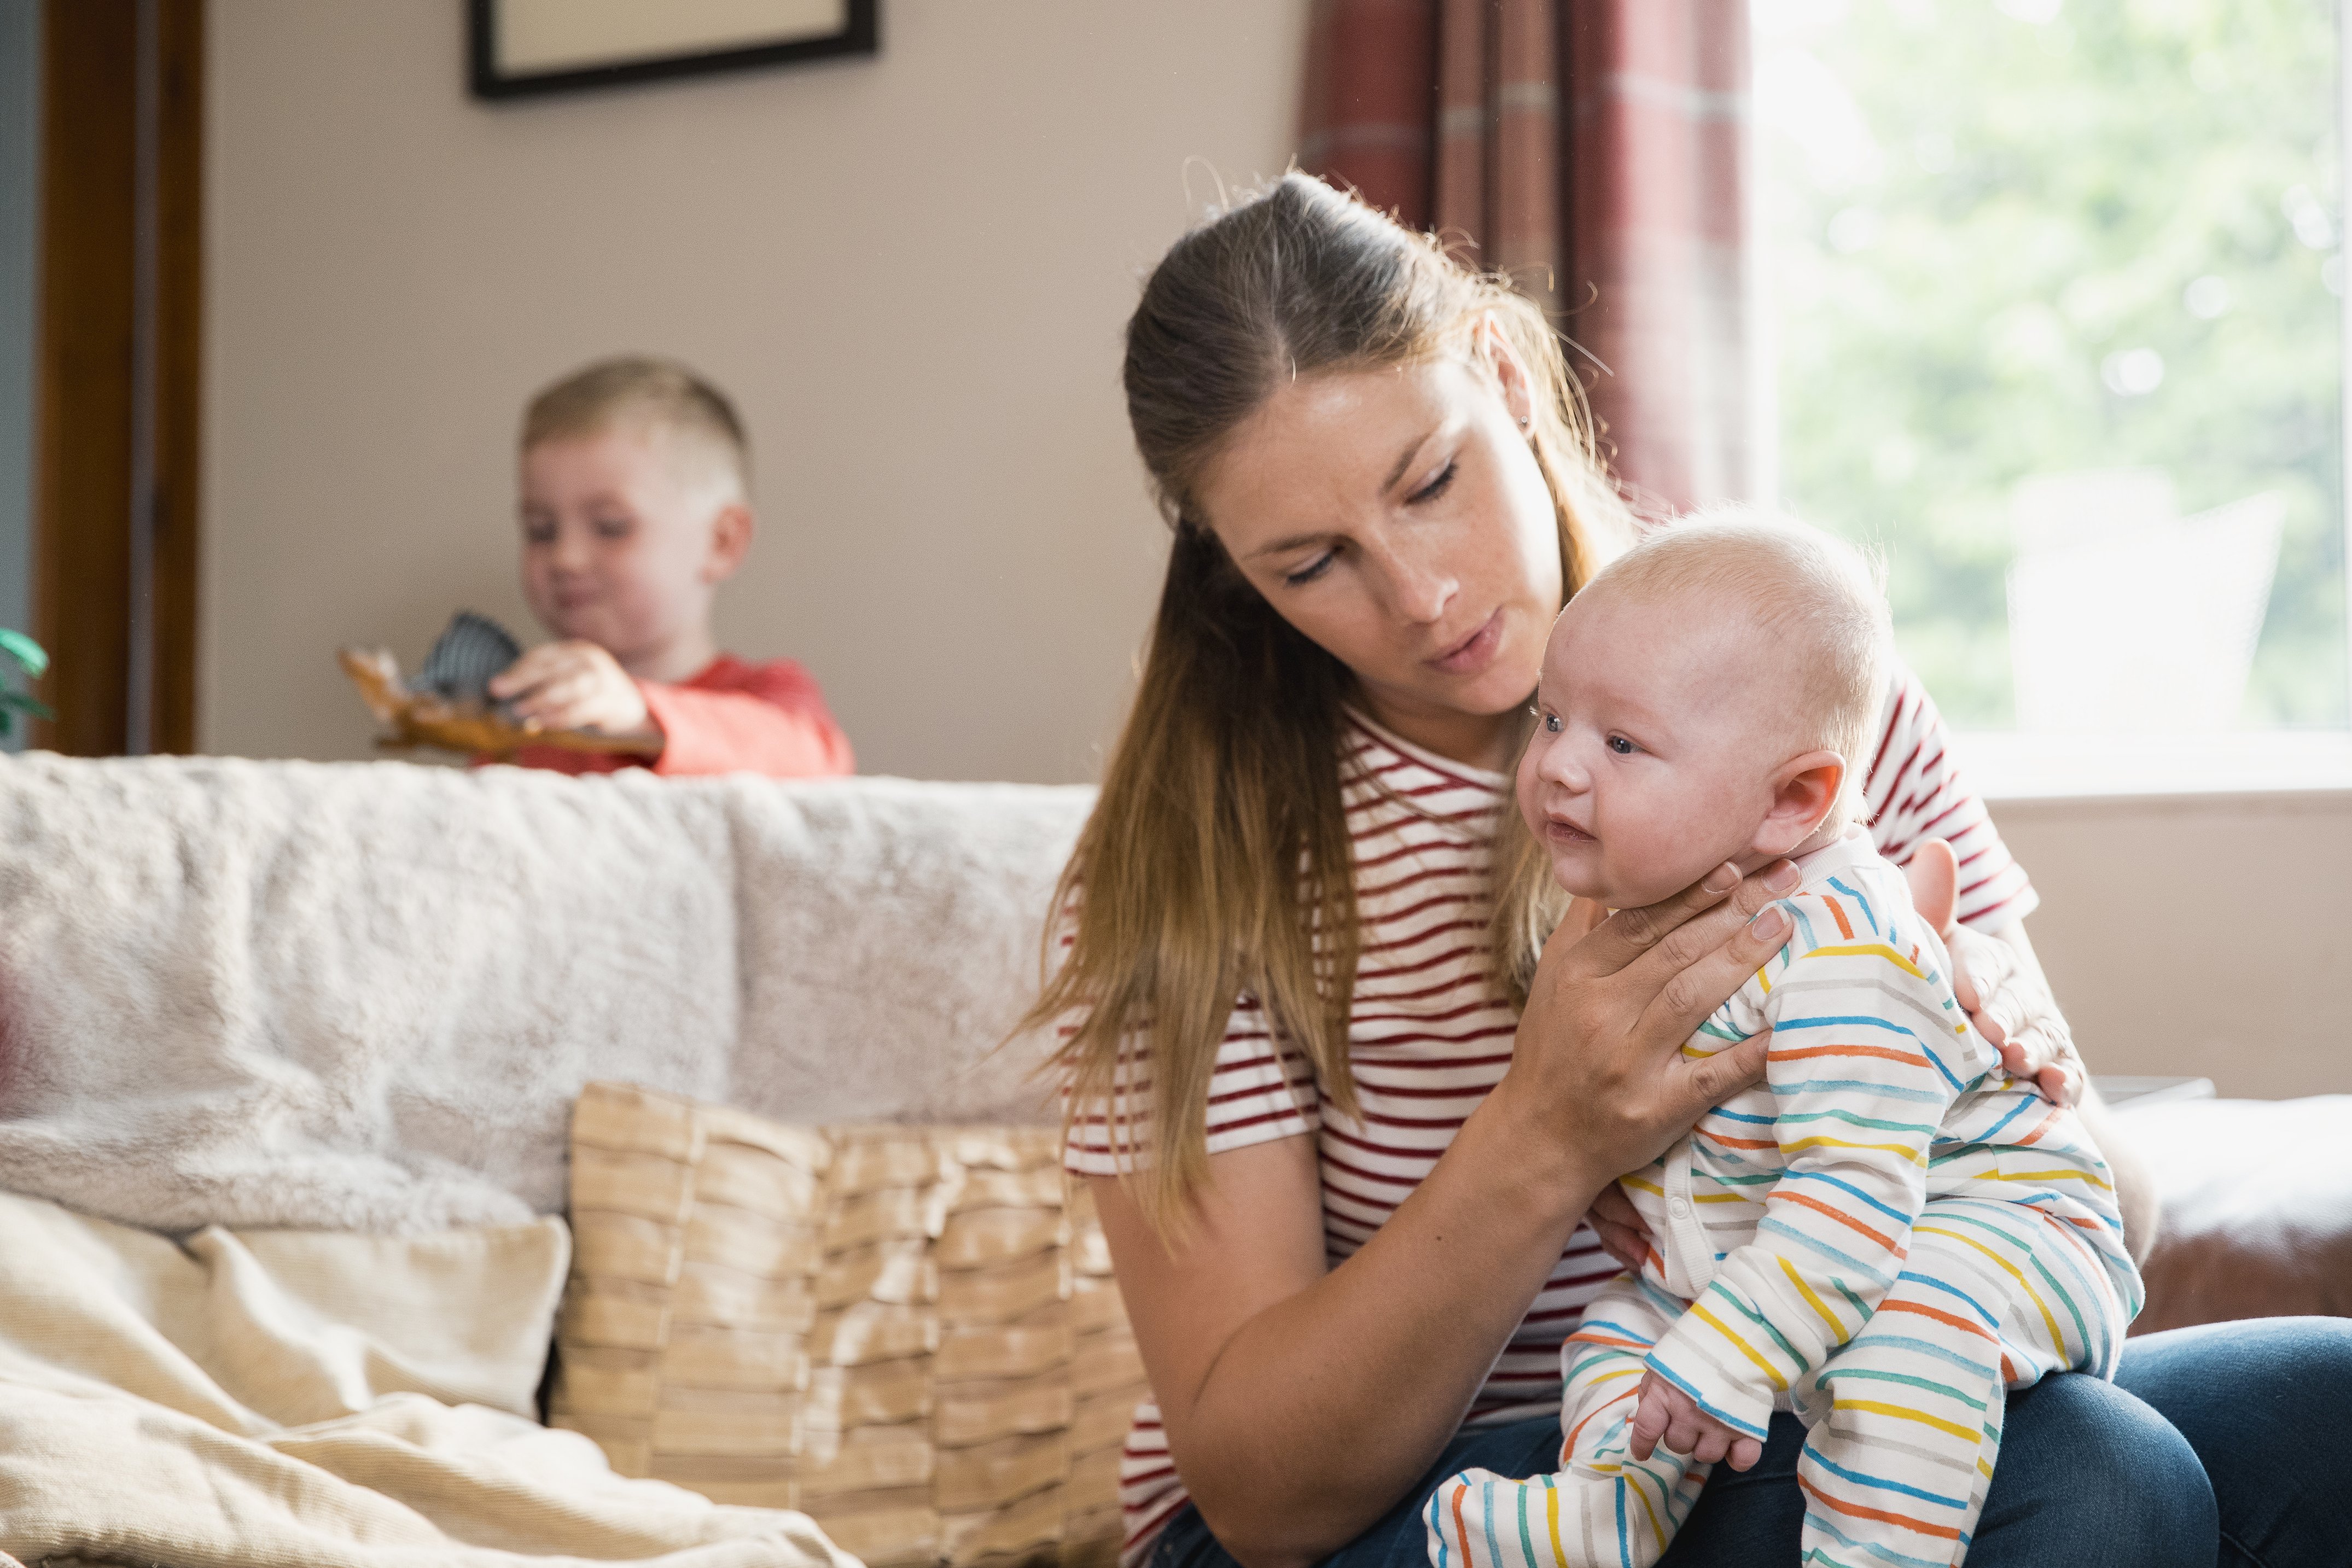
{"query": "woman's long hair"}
(1217, 860)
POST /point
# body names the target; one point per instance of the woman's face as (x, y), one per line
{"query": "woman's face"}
(1399, 519)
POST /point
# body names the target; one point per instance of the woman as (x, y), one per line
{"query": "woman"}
(1348, 1209)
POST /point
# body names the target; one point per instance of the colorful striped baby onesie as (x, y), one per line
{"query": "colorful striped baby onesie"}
(1883, 1237)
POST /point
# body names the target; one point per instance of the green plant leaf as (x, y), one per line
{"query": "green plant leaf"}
(25, 650)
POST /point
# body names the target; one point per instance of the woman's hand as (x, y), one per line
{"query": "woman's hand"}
(1999, 984)
(1693, 1084)
(2009, 1003)
(1598, 1073)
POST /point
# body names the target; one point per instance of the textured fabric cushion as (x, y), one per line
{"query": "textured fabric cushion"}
(910, 1334)
(2257, 1208)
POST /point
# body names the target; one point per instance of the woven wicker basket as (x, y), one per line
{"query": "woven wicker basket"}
(910, 1333)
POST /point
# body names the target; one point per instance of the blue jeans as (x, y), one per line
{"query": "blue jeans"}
(2219, 1447)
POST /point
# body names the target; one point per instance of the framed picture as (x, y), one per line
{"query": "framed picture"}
(516, 48)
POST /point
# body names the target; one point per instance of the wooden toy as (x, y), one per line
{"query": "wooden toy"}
(448, 706)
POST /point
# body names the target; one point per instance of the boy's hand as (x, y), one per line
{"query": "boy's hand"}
(572, 685)
(1665, 1414)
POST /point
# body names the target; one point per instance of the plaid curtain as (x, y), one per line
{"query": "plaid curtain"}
(1595, 151)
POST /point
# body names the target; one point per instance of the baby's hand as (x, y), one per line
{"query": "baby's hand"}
(572, 685)
(1624, 1234)
(1665, 1414)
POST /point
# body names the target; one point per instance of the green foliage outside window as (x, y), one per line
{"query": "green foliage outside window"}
(1990, 226)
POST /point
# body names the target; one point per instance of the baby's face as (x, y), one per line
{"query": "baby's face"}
(617, 536)
(1654, 756)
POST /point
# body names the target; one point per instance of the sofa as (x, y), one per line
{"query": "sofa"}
(332, 1096)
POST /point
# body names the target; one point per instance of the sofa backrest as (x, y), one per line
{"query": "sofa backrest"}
(365, 995)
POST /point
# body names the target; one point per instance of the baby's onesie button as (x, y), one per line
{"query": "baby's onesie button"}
(1679, 1207)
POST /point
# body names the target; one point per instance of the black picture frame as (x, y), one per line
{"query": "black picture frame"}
(861, 34)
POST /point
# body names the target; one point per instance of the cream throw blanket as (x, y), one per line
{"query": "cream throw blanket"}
(326, 1401)
(364, 995)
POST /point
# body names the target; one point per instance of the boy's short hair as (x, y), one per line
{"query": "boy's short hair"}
(662, 393)
(1817, 596)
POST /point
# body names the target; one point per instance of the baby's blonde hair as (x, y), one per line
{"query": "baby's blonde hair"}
(1818, 598)
(661, 393)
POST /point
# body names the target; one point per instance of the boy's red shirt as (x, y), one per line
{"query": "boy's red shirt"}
(729, 717)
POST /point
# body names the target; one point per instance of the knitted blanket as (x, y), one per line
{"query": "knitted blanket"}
(364, 995)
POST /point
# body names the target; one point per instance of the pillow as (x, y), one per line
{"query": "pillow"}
(2257, 1208)
(910, 1333)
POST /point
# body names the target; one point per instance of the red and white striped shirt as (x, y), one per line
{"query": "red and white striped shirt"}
(1429, 1035)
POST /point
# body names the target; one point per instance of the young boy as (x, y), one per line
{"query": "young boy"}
(635, 508)
(1888, 1232)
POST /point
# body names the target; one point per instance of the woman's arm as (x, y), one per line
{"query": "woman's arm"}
(1299, 1403)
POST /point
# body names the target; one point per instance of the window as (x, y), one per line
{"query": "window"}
(2056, 319)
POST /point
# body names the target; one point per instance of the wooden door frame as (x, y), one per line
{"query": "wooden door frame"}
(116, 377)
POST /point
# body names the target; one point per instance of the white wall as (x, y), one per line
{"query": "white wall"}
(910, 271)
(2199, 936)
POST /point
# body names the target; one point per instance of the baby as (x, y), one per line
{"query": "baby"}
(1888, 1232)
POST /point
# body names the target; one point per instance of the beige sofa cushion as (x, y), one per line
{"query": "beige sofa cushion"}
(910, 1334)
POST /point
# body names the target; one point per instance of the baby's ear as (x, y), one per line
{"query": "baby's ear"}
(1804, 788)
